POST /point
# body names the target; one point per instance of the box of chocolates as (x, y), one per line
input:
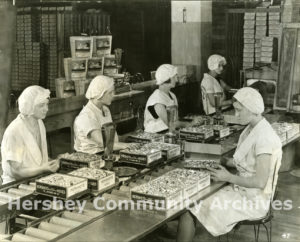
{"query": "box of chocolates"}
(94, 67)
(140, 155)
(192, 181)
(81, 47)
(197, 133)
(98, 180)
(102, 45)
(169, 151)
(61, 185)
(160, 193)
(78, 160)
(144, 137)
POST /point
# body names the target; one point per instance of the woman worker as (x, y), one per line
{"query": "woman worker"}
(156, 117)
(24, 144)
(257, 160)
(211, 84)
(87, 125)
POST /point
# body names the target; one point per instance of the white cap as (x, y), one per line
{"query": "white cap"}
(251, 99)
(98, 86)
(164, 73)
(214, 61)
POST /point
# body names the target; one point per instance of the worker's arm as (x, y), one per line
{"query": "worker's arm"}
(259, 180)
(96, 136)
(225, 86)
(161, 111)
(50, 166)
(211, 99)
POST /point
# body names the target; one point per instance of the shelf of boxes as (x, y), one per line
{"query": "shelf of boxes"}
(249, 40)
(267, 44)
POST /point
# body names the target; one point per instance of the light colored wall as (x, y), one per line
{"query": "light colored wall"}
(191, 41)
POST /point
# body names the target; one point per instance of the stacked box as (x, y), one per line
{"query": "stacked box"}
(61, 185)
(291, 11)
(110, 65)
(267, 49)
(169, 151)
(257, 50)
(249, 40)
(171, 188)
(141, 155)
(197, 133)
(146, 137)
(98, 179)
(274, 24)
(78, 160)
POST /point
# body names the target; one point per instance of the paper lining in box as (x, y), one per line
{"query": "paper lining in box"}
(97, 179)
(61, 185)
(146, 137)
(79, 160)
(141, 155)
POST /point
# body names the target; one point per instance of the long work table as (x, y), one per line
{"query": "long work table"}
(124, 225)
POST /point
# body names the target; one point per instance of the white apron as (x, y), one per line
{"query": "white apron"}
(19, 145)
(90, 118)
(213, 214)
(209, 85)
(151, 124)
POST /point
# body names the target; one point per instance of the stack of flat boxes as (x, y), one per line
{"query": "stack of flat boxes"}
(267, 44)
(26, 62)
(49, 38)
(274, 24)
(249, 27)
(260, 32)
(291, 11)
(68, 30)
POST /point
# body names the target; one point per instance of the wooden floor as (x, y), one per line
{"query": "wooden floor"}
(285, 224)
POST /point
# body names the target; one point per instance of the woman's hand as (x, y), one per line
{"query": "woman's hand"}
(220, 174)
(52, 166)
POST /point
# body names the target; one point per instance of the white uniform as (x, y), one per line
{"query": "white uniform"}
(90, 118)
(151, 124)
(20, 146)
(209, 85)
(261, 140)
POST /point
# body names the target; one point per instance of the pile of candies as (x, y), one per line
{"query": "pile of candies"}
(200, 164)
(160, 146)
(78, 156)
(90, 173)
(142, 150)
(197, 129)
(61, 180)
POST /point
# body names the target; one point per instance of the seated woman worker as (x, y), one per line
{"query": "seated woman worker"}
(156, 117)
(250, 191)
(87, 125)
(212, 85)
(24, 145)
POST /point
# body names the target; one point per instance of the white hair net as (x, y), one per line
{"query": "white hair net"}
(164, 73)
(98, 86)
(30, 97)
(214, 61)
(251, 99)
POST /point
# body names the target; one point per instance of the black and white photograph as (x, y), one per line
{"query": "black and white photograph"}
(150, 120)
